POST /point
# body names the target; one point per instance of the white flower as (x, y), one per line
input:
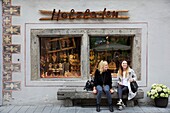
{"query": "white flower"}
(152, 97)
(165, 90)
(153, 92)
(169, 91)
(153, 85)
(158, 90)
(162, 95)
(166, 95)
(156, 95)
(148, 93)
(164, 86)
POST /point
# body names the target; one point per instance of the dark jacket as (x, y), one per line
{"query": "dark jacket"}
(103, 79)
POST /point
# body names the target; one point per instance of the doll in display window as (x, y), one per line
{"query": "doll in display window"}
(64, 57)
(61, 71)
(47, 62)
(42, 62)
(42, 66)
(63, 43)
(55, 69)
(54, 58)
(50, 70)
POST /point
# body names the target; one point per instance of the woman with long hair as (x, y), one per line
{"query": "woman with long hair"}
(103, 83)
(125, 76)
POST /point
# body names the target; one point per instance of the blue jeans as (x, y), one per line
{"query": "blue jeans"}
(106, 90)
(122, 90)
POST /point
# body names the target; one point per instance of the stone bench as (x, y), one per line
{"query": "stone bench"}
(70, 94)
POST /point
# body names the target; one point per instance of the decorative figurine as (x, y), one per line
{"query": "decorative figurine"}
(54, 58)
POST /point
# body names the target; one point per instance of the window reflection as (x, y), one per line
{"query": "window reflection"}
(111, 48)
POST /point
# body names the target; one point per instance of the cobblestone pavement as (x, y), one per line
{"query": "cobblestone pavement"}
(78, 109)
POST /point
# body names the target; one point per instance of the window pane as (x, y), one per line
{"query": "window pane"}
(113, 49)
(60, 57)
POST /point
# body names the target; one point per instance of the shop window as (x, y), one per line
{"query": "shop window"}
(40, 46)
(113, 49)
(60, 57)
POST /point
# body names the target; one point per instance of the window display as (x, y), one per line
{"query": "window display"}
(60, 57)
(110, 48)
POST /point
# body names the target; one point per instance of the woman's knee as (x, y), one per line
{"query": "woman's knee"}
(119, 87)
(100, 90)
(107, 88)
(119, 91)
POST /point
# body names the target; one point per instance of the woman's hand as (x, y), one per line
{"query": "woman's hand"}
(94, 90)
(130, 80)
(119, 83)
(111, 91)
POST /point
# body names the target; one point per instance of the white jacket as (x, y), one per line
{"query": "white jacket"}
(131, 75)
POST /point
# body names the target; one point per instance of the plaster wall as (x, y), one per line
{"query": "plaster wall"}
(156, 16)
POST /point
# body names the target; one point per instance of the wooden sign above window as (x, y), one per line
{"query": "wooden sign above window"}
(87, 14)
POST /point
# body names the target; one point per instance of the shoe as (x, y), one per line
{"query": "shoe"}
(98, 108)
(111, 108)
(123, 105)
(120, 108)
(119, 102)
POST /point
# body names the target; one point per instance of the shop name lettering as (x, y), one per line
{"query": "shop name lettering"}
(87, 14)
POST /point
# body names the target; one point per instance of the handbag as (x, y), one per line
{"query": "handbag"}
(134, 86)
(89, 85)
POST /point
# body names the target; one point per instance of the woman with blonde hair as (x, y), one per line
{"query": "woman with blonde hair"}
(125, 76)
(103, 83)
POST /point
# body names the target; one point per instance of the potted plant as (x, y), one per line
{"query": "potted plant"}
(160, 94)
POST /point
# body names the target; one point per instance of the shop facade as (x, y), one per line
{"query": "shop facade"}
(46, 46)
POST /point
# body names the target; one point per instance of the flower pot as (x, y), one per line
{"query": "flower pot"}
(161, 102)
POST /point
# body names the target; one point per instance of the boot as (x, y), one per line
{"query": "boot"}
(111, 108)
(98, 108)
